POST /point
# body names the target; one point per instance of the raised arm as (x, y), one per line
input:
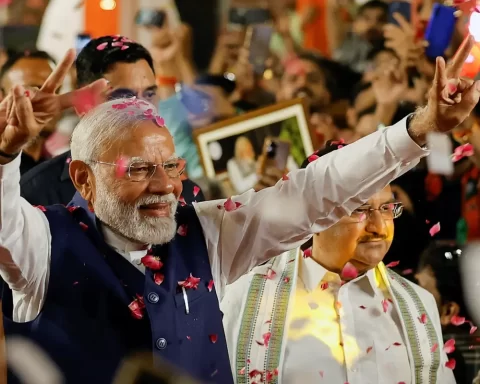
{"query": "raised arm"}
(283, 217)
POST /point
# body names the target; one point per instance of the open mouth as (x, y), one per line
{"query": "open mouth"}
(156, 210)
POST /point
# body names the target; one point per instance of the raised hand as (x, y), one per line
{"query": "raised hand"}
(24, 113)
(451, 98)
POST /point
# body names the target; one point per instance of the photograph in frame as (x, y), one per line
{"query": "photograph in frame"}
(231, 150)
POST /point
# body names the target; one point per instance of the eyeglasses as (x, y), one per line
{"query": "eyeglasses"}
(389, 211)
(143, 170)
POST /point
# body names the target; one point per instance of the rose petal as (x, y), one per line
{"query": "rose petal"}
(369, 349)
(83, 226)
(119, 106)
(307, 253)
(191, 282)
(457, 320)
(385, 305)
(210, 286)
(158, 278)
(101, 47)
(397, 344)
(242, 371)
(196, 190)
(213, 338)
(159, 121)
(285, 178)
(312, 158)
(124, 47)
(362, 307)
(451, 363)
(121, 166)
(435, 229)
(286, 279)
(230, 205)
(266, 338)
(434, 347)
(321, 373)
(449, 346)
(152, 262)
(392, 264)
(324, 285)
(407, 271)
(423, 318)
(349, 271)
(182, 202)
(182, 230)
(473, 328)
(254, 373)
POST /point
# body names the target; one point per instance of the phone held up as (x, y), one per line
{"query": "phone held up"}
(275, 154)
(257, 40)
(151, 18)
(403, 8)
(440, 29)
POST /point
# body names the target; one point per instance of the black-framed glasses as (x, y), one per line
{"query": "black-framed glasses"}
(389, 211)
(142, 170)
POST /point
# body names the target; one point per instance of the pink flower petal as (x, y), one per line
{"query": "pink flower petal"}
(473, 328)
(451, 364)
(158, 278)
(230, 205)
(324, 285)
(121, 167)
(254, 373)
(242, 371)
(119, 106)
(307, 253)
(196, 190)
(349, 271)
(285, 178)
(191, 282)
(392, 264)
(270, 274)
(182, 230)
(397, 344)
(321, 373)
(457, 320)
(124, 47)
(369, 349)
(117, 44)
(407, 271)
(362, 307)
(266, 338)
(435, 229)
(159, 121)
(83, 226)
(423, 318)
(286, 279)
(213, 338)
(312, 158)
(101, 47)
(434, 347)
(210, 286)
(182, 202)
(449, 346)
(152, 262)
(385, 305)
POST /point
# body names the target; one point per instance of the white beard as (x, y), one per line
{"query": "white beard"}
(127, 220)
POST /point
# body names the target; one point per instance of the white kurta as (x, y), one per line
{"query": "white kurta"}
(267, 224)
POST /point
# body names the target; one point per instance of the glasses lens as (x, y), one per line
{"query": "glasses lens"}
(140, 171)
(175, 168)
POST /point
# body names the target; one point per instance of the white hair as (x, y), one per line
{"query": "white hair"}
(97, 130)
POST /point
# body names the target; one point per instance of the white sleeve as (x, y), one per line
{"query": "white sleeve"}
(25, 240)
(283, 217)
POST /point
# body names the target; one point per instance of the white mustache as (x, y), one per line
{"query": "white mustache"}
(155, 199)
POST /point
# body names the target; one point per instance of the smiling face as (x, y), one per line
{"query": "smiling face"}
(363, 242)
(142, 210)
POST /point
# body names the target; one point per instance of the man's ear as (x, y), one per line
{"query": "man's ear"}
(84, 180)
(447, 311)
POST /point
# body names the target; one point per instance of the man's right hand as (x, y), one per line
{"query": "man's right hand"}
(24, 113)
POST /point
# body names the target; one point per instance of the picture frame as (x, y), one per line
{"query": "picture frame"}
(229, 150)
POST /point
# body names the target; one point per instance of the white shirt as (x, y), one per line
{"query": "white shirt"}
(331, 336)
(312, 200)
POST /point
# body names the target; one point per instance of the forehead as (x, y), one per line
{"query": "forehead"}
(381, 197)
(147, 141)
(134, 76)
(28, 71)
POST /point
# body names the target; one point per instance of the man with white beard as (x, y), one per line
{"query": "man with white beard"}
(128, 273)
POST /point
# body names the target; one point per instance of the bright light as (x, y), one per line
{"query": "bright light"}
(474, 26)
(108, 5)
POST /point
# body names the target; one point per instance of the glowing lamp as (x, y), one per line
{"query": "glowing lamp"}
(108, 5)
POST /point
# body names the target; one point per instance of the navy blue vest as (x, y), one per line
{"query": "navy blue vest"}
(86, 325)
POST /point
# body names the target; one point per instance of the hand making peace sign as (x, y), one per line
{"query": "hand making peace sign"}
(24, 113)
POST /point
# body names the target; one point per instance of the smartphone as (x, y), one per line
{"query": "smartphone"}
(440, 29)
(258, 42)
(248, 16)
(275, 154)
(150, 18)
(81, 41)
(401, 7)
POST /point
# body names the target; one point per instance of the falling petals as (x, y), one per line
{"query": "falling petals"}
(270, 274)
(369, 349)
(84, 101)
(152, 262)
(182, 230)
(349, 271)
(362, 307)
(449, 346)
(434, 347)
(312, 158)
(397, 344)
(407, 272)
(210, 286)
(182, 202)
(229, 205)
(136, 307)
(196, 190)
(423, 318)
(254, 373)
(385, 305)
(266, 338)
(83, 226)
(124, 47)
(119, 106)
(457, 320)
(451, 363)
(393, 264)
(158, 278)
(190, 282)
(213, 338)
(121, 166)
(286, 279)
(473, 328)
(307, 253)
(435, 229)
(285, 178)
(321, 373)
(242, 371)
(101, 47)
(324, 285)
(465, 150)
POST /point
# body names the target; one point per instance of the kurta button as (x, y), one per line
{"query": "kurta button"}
(161, 343)
(153, 298)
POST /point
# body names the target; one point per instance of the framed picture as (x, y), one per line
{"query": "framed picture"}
(230, 150)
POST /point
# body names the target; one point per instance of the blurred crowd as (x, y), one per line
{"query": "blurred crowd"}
(359, 66)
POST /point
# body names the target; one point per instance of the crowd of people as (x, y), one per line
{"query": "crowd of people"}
(349, 269)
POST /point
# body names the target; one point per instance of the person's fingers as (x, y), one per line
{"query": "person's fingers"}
(440, 78)
(23, 108)
(470, 97)
(55, 80)
(404, 24)
(67, 100)
(455, 67)
(464, 83)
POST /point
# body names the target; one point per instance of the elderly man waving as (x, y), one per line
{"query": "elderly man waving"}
(134, 271)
